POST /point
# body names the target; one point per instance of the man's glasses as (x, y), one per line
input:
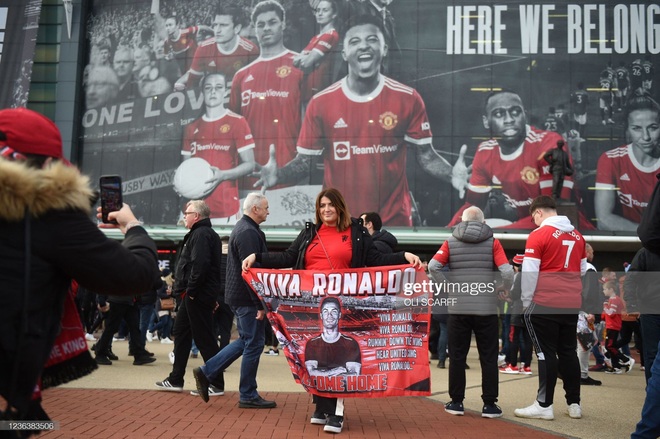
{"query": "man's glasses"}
(188, 213)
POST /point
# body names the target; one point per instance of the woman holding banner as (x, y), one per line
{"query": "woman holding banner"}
(335, 241)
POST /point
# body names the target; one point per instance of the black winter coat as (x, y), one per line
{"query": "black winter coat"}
(64, 245)
(365, 254)
(198, 271)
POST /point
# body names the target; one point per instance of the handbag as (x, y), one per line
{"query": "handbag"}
(167, 303)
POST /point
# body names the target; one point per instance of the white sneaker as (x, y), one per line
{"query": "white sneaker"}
(171, 356)
(535, 411)
(629, 364)
(166, 340)
(575, 411)
(90, 337)
(150, 336)
(501, 360)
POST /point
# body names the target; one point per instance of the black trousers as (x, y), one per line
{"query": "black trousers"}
(131, 314)
(459, 329)
(194, 320)
(329, 406)
(223, 319)
(555, 344)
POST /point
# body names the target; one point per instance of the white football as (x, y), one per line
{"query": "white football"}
(190, 178)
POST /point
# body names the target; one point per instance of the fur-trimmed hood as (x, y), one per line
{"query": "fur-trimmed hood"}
(56, 187)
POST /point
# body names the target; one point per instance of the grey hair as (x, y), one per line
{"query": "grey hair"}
(253, 199)
(473, 213)
(200, 207)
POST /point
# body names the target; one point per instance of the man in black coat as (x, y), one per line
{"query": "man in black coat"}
(197, 280)
(383, 240)
(47, 204)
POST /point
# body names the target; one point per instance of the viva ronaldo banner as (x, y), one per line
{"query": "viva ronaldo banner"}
(413, 109)
(350, 333)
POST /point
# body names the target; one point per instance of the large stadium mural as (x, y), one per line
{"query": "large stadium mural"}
(414, 109)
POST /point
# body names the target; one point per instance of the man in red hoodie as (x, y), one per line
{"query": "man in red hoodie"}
(555, 259)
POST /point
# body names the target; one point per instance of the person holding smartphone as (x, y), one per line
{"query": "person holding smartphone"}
(47, 239)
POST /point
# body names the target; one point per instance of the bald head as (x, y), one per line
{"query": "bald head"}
(473, 213)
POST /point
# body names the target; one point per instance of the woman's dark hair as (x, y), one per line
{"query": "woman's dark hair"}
(639, 100)
(337, 200)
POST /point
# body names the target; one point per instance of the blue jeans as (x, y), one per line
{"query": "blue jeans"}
(649, 425)
(147, 314)
(650, 326)
(442, 342)
(249, 344)
(164, 326)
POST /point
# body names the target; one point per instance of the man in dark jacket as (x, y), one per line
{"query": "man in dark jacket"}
(245, 239)
(126, 308)
(471, 254)
(40, 190)
(383, 240)
(197, 281)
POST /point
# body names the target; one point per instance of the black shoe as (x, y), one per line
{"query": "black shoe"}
(143, 360)
(111, 355)
(455, 408)
(334, 424)
(467, 366)
(202, 383)
(588, 381)
(491, 411)
(318, 418)
(256, 403)
(146, 352)
(102, 359)
(441, 364)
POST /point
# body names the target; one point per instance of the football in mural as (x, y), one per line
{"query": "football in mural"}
(191, 179)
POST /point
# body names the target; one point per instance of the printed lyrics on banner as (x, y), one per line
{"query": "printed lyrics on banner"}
(392, 338)
(587, 28)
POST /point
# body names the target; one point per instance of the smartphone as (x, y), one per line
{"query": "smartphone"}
(111, 199)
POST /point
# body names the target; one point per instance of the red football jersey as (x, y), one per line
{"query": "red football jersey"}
(559, 257)
(183, 48)
(521, 176)
(209, 58)
(219, 142)
(618, 168)
(321, 76)
(267, 93)
(363, 140)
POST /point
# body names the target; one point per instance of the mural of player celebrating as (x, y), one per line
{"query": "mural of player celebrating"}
(361, 127)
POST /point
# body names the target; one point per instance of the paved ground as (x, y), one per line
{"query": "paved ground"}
(121, 401)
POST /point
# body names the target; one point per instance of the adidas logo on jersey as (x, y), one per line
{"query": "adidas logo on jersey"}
(625, 177)
(340, 123)
(249, 78)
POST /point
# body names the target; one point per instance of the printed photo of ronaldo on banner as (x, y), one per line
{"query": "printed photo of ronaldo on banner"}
(413, 109)
(350, 333)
